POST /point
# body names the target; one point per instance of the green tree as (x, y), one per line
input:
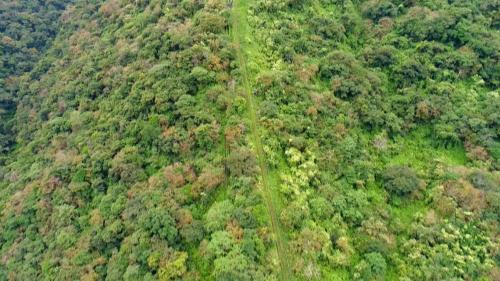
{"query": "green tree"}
(401, 180)
(173, 269)
(218, 215)
(372, 268)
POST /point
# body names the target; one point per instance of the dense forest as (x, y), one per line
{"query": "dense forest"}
(26, 30)
(250, 140)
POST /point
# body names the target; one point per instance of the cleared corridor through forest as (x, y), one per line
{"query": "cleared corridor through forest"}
(269, 189)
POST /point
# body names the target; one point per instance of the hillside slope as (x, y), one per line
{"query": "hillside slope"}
(256, 140)
(26, 31)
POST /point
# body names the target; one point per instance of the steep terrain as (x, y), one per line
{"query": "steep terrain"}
(250, 140)
(26, 31)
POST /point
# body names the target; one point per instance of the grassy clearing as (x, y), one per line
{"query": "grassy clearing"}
(418, 150)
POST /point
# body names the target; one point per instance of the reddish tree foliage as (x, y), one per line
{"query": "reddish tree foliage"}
(233, 134)
(178, 174)
(466, 195)
(208, 180)
(235, 229)
(477, 153)
(184, 217)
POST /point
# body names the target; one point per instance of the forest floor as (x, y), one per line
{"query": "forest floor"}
(248, 52)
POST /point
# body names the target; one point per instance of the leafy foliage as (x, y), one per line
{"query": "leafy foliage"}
(26, 31)
(401, 180)
(145, 135)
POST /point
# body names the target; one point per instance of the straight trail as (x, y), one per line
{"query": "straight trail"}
(247, 51)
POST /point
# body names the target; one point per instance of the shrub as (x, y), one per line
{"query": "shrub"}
(241, 162)
(400, 180)
(269, 109)
(347, 76)
(410, 72)
(372, 267)
(218, 215)
(377, 9)
(482, 180)
(328, 28)
(380, 57)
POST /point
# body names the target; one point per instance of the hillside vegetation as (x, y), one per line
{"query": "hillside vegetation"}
(26, 30)
(249, 140)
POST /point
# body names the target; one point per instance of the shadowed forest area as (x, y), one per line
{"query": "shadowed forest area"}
(249, 140)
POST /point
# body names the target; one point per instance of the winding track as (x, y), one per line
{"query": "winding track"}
(239, 33)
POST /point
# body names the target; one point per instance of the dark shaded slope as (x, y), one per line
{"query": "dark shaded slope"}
(27, 29)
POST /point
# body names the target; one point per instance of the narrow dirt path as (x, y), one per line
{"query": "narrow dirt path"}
(240, 36)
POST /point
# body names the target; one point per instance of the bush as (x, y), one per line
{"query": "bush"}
(410, 72)
(269, 109)
(400, 180)
(347, 76)
(218, 215)
(241, 162)
(377, 9)
(380, 57)
(372, 267)
(482, 180)
(328, 28)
